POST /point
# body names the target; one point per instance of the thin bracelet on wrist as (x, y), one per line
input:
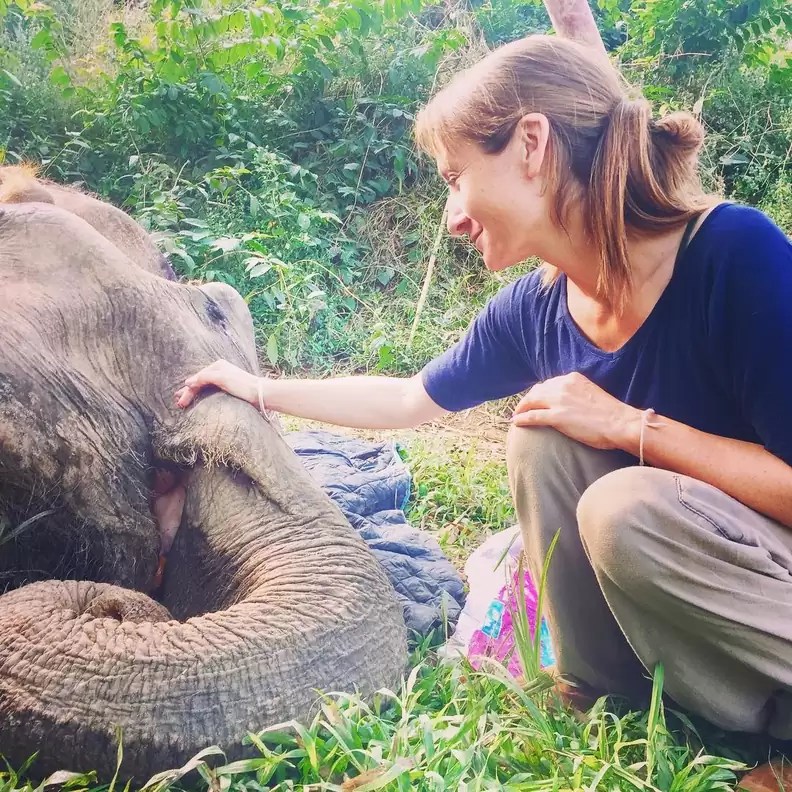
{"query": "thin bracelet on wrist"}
(647, 417)
(260, 391)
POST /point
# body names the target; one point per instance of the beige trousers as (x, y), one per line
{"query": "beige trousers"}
(654, 567)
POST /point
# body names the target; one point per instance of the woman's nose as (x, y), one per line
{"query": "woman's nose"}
(457, 221)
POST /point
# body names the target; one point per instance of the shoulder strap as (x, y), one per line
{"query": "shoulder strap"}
(691, 224)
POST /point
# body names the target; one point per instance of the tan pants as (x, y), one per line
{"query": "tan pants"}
(653, 567)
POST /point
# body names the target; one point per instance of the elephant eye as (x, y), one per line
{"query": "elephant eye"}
(214, 312)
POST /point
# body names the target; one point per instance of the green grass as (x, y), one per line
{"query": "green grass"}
(460, 491)
(452, 728)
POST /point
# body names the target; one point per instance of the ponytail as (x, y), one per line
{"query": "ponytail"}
(641, 178)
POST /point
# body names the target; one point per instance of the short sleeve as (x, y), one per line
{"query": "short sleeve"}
(490, 361)
(757, 298)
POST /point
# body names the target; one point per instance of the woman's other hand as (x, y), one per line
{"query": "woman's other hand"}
(224, 375)
(578, 408)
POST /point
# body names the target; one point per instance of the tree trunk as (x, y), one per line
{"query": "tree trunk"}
(573, 19)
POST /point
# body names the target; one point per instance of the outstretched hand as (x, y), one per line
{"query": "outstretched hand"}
(221, 374)
(578, 408)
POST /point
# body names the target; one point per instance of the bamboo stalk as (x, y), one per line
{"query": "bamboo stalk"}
(428, 277)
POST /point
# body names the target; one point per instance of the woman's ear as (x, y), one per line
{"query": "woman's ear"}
(532, 136)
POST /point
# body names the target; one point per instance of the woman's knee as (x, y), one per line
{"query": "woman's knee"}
(619, 516)
(538, 449)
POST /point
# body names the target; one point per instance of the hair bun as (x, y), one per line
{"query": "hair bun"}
(681, 129)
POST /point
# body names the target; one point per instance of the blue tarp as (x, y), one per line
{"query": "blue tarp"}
(371, 485)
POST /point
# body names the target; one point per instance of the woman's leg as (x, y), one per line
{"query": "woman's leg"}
(548, 474)
(702, 584)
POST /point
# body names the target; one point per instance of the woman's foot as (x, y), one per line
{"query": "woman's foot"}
(775, 776)
(573, 693)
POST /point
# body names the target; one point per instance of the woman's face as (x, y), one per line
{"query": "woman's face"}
(499, 200)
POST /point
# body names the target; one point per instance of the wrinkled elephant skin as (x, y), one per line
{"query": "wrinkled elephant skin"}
(268, 595)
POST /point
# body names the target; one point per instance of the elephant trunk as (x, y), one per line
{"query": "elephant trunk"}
(277, 598)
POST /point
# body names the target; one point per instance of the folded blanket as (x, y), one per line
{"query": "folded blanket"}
(371, 485)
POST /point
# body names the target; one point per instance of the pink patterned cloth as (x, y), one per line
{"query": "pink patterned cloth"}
(495, 637)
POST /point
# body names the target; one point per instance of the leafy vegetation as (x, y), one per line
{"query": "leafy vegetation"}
(268, 145)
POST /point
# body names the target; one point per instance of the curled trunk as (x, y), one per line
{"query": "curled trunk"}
(277, 603)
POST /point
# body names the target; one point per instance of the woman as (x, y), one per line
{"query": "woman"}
(659, 332)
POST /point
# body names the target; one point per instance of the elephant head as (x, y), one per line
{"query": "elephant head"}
(268, 595)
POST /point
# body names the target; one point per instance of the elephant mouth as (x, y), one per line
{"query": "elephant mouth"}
(168, 496)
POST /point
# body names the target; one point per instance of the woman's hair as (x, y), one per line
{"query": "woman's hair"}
(626, 171)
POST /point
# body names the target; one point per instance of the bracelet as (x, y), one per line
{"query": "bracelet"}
(646, 420)
(270, 415)
(262, 407)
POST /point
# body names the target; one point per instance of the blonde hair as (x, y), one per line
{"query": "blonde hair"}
(628, 171)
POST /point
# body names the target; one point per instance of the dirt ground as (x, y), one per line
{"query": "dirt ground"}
(487, 424)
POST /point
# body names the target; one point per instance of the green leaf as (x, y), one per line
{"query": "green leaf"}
(381, 777)
(257, 26)
(60, 778)
(256, 268)
(352, 18)
(212, 83)
(42, 39)
(272, 349)
(243, 766)
(736, 158)
(366, 22)
(59, 77)
(119, 34)
(399, 162)
(254, 69)
(385, 275)
(320, 67)
(226, 244)
(163, 780)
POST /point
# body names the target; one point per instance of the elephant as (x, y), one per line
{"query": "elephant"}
(268, 596)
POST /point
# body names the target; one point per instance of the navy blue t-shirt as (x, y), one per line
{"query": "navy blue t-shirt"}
(715, 352)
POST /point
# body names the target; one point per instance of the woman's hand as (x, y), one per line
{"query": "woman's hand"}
(224, 375)
(574, 405)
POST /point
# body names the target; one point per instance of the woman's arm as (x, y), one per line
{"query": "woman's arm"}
(360, 402)
(574, 405)
(746, 471)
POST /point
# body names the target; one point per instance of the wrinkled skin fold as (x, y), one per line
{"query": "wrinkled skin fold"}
(268, 595)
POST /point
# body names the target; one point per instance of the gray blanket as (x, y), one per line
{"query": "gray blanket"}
(371, 485)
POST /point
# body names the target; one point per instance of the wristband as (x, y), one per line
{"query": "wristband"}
(262, 407)
(646, 421)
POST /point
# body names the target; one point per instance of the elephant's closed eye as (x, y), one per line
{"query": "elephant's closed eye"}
(215, 312)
